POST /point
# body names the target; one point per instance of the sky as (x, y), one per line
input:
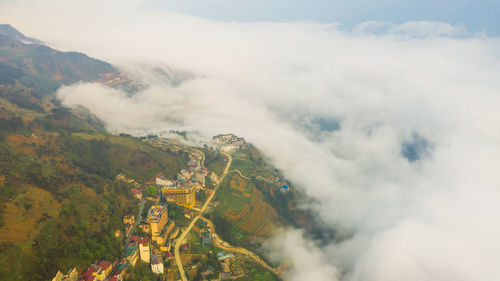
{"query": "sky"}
(395, 133)
(477, 16)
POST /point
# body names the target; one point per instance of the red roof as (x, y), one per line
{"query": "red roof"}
(89, 278)
(88, 272)
(114, 278)
(134, 238)
(104, 265)
(144, 241)
(135, 191)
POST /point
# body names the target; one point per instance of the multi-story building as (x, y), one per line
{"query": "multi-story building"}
(71, 276)
(157, 264)
(164, 235)
(144, 249)
(164, 182)
(157, 218)
(182, 196)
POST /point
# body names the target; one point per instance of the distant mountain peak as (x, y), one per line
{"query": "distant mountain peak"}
(9, 31)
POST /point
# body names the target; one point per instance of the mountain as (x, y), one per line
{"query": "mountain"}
(60, 203)
(9, 31)
(43, 68)
(60, 206)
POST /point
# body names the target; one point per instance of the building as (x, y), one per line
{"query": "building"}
(137, 193)
(144, 250)
(165, 182)
(91, 274)
(157, 264)
(206, 238)
(229, 142)
(221, 256)
(131, 254)
(130, 219)
(174, 233)
(182, 196)
(145, 227)
(214, 178)
(71, 276)
(121, 269)
(157, 218)
(164, 235)
(106, 267)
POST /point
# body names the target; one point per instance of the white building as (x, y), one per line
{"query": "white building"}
(157, 264)
(164, 182)
(144, 249)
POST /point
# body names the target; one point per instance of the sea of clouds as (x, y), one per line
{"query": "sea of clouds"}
(393, 129)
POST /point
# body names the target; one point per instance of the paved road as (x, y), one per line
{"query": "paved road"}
(137, 220)
(218, 242)
(241, 175)
(184, 234)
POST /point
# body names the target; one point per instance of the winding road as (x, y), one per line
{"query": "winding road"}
(218, 242)
(241, 175)
(184, 234)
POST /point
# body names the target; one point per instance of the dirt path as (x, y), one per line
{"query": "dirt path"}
(218, 242)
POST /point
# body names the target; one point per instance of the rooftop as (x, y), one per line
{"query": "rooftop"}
(156, 212)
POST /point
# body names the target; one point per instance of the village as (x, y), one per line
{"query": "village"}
(149, 237)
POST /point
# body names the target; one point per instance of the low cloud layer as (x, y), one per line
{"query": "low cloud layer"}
(278, 84)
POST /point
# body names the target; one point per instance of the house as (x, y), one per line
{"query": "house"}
(144, 250)
(206, 238)
(133, 241)
(129, 218)
(137, 193)
(157, 264)
(106, 267)
(121, 269)
(131, 254)
(71, 276)
(221, 256)
(91, 273)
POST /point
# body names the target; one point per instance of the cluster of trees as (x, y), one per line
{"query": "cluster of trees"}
(224, 228)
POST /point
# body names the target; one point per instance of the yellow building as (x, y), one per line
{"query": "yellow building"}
(130, 219)
(166, 247)
(183, 196)
(164, 235)
(145, 227)
(157, 218)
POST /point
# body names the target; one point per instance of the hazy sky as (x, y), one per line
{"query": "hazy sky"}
(477, 16)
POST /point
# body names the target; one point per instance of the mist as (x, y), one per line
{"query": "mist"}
(406, 167)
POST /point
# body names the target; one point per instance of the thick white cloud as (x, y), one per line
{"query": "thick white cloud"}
(431, 219)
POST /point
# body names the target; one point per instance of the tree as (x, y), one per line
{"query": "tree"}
(151, 190)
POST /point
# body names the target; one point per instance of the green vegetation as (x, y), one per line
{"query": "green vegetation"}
(141, 272)
(44, 69)
(71, 163)
(214, 161)
(150, 190)
(257, 273)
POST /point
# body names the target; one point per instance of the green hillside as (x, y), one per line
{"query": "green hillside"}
(60, 204)
(43, 68)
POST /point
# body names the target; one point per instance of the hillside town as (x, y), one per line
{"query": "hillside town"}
(150, 235)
